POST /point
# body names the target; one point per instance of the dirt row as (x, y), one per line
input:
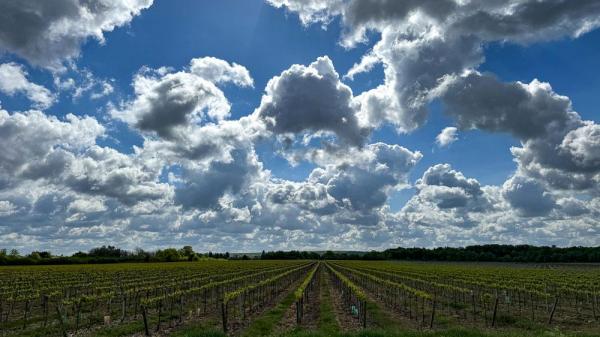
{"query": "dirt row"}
(310, 319)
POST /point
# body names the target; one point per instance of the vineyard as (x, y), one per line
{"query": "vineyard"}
(238, 298)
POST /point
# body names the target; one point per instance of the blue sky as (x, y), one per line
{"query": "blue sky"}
(267, 38)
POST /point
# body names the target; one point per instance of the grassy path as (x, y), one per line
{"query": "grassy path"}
(327, 323)
(265, 324)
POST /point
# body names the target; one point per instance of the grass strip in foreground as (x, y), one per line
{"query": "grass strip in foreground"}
(444, 333)
(265, 324)
(327, 322)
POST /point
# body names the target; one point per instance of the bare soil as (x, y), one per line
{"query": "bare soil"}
(343, 316)
(312, 306)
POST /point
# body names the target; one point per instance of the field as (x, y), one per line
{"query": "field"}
(300, 298)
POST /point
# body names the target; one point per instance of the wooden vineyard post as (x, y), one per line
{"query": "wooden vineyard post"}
(45, 304)
(159, 304)
(224, 316)
(180, 318)
(432, 313)
(364, 314)
(298, 312)
(422, 311)
(495, 311)
(145, 317)
(532, 304)
(474, 306)
(594, 307)
(553, 310)
(61, 319)
(204, 300)
(171, 304)
(109, 306)
(243, 305)
(123, 307)
(25, 312)
(77, 315)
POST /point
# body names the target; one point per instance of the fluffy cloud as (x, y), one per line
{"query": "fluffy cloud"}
(583, 146)
(13, 80)
(6, 208)
(219, 71)
(311, 10)
(530, 21)
(351, 187)
(573, 207)
(79, 82)
(447, 136)
(311, 99)
(366, 183)
(450, 208)
(525, 110)
(448, 189)
(424, 42)
(557, 146)
(167, 100)
(203, 187)
(36, 145)
(106, 172)
(444, 175)
(63, 154)
(528, 196)
(47, 33)
(562, 162)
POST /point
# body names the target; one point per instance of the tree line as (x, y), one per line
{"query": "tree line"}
(107, 254)
(478, 253)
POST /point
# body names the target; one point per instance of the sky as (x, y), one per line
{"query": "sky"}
(248, 125)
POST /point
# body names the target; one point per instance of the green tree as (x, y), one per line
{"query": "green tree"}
(169, 255)
(188, 252)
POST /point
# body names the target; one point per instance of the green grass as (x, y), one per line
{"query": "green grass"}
(327, 323)
(120, 330)
(446, 333)
(261, 326)
(381, 318)
(265, 324)
(379, 333)
(198, 332)
(125, 329)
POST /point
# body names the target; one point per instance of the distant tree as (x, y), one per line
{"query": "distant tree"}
(80, 254)
(45, 254)
(188, 252)
(108, 251)
(14, 253)
(169, 255)
(329, 255)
